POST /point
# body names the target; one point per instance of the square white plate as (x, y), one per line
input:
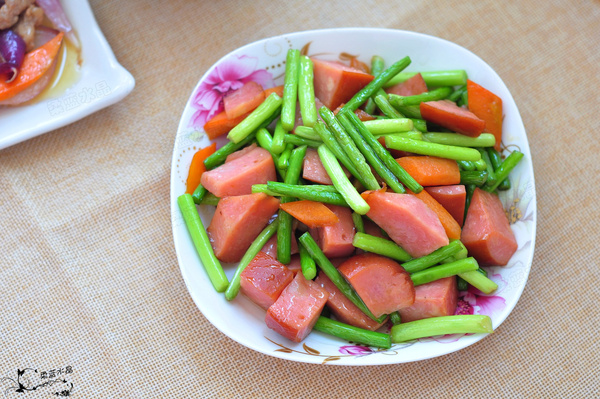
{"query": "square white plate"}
(102, 82)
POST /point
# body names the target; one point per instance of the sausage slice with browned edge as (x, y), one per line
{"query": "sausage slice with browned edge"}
(343, 308)
(336, 240)
(336, 83)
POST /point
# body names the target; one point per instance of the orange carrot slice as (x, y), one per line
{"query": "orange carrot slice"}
(311, 213)
(487, 106)
(219, 124)
(448, 222)
(431, 171)
(276, 89)
(35, 64)
(197, 167)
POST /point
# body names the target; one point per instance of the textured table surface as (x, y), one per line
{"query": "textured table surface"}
(89, 280)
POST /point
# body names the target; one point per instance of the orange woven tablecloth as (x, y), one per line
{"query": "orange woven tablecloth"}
(88, 273)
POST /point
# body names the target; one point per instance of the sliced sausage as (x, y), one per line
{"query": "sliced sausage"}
(434, 299)
(263, 280)
(410, 87)
(487, 233)
(449, 115)
(336, 240)
(382, 284)
(297, 309)
(237, 177)
(407, 220)
(336, 83)
(343, 308)
(243, 100)
(237, 222)
(452, 198)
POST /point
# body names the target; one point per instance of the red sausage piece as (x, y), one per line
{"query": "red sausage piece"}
(486, 233)
(237, 176)
(343, 308)
(447, 114)
(410, 87)
(297, 309)
(452, 198)
(336, 240)
(336, 83)
(263, 280)
(243, 100)
(434, 299)
(237, 222)
(407, 220)
(382, 284)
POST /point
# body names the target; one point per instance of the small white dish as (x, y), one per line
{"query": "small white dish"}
(263, 61)
(102, 82)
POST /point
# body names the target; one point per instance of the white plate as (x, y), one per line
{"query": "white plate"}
(243, 321)
(103, 82)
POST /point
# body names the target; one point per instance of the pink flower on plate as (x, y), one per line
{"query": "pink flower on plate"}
(229, 75)
(474, 301)
(356, 350)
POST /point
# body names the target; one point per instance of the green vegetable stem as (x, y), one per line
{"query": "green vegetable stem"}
(341, 182)
(202, 243)
(290, 89)
(459, 324)
(353, 334)
(256, 118)
(306, 92)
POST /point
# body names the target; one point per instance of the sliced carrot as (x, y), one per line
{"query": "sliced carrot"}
(243, 100)
(276, 89)
(35, 64)
(431, 171)
(197, 167)
(311, 213)
(487, 106)
(219, 124)
(448, 222)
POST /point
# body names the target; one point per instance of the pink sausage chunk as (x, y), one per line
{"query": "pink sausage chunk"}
(434, 299)
(297, 309)
(263, 280)
(237, 222)
(486, 233)
(237, 176)
(336, 240)
(407, 220)
(382, 284)
(343, 308)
